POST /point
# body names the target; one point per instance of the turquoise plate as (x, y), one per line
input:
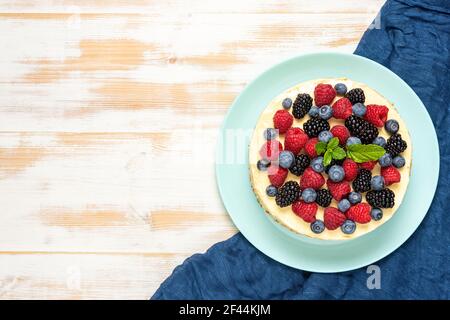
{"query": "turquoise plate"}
(295, 251)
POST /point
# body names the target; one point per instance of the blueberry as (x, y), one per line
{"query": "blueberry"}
(398, 161)
(270, 133)
(317, 226)
(285, 159)
(348, 227)
(353, 140)
(271, 191)
(377, 183)
(314, 111)
(317, 164)
(380, 141)
(341, 89)
(376, 214)
(385, 160)
(344, 205)
(336, 173)
(354, 197)
(263, 164)
(392, 126)
(325, 112)
(287, 103)
(309, 195)
(325, 136)
(359, 109)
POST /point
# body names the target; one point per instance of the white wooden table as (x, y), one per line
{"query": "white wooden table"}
(109, 113)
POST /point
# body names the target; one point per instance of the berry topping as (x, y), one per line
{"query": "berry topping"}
(309, 195)
(313, 112)
(282, 120)
(317, 164)
(287, 194)
(317, 226)
(376, 214)
(391, 175)
(398, 162)
(354, 197)
(314, 126)
(381, 199)
(392, 126)
(332, 163)
(333, 218)
(325, 136)
(336, 173)
(342, 108)
(286, 159)
(369, 165)
(270, 150)
(338, 189)
(380, 141)
(356, 95)
(350, 169)
(324, 94)
(353, 140)
(362, 129)
(311, 179)
(287, 103)
(359, 213)
(395, 145)
(310, 147)
(263, 164)
(385, 160)
(340, 132)
(301, 162)
(377, 183)
(277, 175)
(344, 205)
(325, 112)
(359, 109)
(362, 181)
(295, 140)
(270, 133)
(376, 114)
(306, 211)
(324, 198)
(348, 227)
(271, 191)
(302, 105)
(341, 89)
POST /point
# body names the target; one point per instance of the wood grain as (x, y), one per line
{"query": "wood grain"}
(109, 114)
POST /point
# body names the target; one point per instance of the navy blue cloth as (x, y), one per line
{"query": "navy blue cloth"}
(414, 42)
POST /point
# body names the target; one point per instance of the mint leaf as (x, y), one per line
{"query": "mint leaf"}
(365, 152)
(321, 147)
(333, 143)
(327, 157)
(339, 153)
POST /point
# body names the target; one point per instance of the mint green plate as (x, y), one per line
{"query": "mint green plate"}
(279, 243)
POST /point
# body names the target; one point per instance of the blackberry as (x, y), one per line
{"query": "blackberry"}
(362, 129)
(363, 181)
(356, 96)
(323, 198)
(287, 194)
(302, 104)
(395, 145)
(384, 198)
(314, 126)
(301, 162)
(332, 163)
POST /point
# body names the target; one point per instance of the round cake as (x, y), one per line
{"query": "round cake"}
(330, 159)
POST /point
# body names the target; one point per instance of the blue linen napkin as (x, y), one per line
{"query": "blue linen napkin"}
(413, 40)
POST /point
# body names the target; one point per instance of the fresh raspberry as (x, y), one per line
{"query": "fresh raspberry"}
(342, 109)
(376, 114)
(270, 150)
(359, 213)
(391, 175)
(338, 189)
(277, 175)
(333, 218)
(282, 120)
(311, 179)
(350, 169)
(341, 132)
(295, 140)
(324, 94)
(310, 147)
(369, 165)
(306, 211)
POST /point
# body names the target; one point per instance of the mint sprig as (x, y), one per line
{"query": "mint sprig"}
(330, 151)
(365, 152)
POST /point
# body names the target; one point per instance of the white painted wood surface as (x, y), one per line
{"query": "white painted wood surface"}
(109, 112)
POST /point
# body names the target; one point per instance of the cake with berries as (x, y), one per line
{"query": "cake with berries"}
(330, 159)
